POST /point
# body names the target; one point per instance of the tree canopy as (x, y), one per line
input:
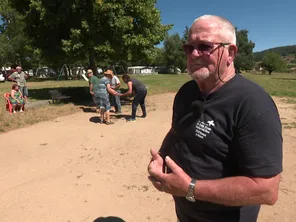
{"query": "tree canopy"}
(174, 56)
(244, 59)
(71, 30)
(15, 45)
(272, 61)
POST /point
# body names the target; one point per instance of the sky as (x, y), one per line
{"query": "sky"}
(271, 23)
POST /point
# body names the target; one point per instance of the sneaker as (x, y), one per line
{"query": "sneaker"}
(21, 111)
(144, 116)
(131, 120)
(14, 111)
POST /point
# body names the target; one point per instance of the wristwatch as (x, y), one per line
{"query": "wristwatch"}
(190, 192)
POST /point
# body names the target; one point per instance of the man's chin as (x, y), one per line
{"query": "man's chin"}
(199, 75)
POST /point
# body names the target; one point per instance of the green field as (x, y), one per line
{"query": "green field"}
(278, 84)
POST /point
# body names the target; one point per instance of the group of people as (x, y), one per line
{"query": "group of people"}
(19, 91)
(106, 93)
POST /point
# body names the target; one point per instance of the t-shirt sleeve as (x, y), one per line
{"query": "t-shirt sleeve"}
(13, 75)
(116, 80)
(91, 80)
(259, 145)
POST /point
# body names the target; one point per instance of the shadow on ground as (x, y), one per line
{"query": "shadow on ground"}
(108, 219)
(78, 96)
(88, 108)
(95, 119)
(122, 116)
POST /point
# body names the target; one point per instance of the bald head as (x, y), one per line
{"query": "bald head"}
(222, 27)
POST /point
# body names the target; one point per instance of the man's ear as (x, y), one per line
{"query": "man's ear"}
(232, 50)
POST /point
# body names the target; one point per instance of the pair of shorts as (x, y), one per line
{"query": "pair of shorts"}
(102, 102)
(24, 90)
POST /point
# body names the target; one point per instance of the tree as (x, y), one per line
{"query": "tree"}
(185, 34)
(99, 29)
(15, 45)
(159, 57)
(155, 58)
(173, 53)
(244, 59)
(272, 61)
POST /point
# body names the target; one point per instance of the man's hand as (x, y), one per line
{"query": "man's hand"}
(175, 183)
(91, 92)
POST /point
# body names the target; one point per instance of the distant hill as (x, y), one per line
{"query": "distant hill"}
(287, 52)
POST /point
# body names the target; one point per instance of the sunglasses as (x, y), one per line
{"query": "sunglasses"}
(203, 48)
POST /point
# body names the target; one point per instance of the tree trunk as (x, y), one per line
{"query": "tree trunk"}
(19, 62)
(269, 72)
(92, 64)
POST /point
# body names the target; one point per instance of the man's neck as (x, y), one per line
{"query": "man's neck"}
(214, 83)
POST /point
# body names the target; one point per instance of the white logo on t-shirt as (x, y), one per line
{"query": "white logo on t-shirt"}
(202, 129)
(211, 123)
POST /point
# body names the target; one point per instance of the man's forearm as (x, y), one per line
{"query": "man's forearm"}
(235, 191)
(12, 79)
(126, 94)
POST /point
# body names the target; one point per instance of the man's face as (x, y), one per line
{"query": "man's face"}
(19, 70)
(203, 61)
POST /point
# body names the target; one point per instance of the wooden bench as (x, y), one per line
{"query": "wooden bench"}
(57, 96)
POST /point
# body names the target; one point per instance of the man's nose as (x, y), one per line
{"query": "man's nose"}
(196, 53)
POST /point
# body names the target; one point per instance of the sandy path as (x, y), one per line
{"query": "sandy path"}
(71, 169)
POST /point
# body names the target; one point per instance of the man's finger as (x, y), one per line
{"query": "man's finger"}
(153, 179)
(155, 155)
(157, 184)
(171, 164)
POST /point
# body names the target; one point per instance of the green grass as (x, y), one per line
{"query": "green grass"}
(162, 83)
(276, 84)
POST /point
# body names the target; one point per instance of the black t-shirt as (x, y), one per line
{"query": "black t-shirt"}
(138, 86)
(239, 133)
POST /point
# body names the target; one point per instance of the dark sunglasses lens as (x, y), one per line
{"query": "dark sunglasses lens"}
(188, 49)
(204, 47)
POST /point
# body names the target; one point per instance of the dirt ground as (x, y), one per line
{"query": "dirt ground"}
(75, 169)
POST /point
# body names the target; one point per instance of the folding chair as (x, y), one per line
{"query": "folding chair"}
(8, 103)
